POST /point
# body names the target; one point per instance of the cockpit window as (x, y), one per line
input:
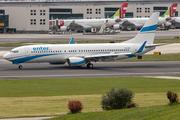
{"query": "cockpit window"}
(14, 51)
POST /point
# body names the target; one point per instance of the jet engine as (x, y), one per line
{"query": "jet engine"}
(76, 61)
(63, 28)
(167, 24)
(116, 27)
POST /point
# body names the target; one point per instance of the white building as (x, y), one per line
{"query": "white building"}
(34, 16)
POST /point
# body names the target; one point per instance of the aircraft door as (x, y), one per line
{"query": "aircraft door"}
(135, 48)
(26, 51)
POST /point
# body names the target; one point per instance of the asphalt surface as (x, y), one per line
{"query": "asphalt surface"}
(124, 35)
(101, 69)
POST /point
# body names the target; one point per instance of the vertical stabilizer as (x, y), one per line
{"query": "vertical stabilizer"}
(171, 11)
(147, 33)
(121, 12)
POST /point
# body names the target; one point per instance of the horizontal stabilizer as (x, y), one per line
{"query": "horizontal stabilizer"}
(154, 45)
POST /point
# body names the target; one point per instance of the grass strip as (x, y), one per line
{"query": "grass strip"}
(164, 112)
(57, 105)
(82, 41)
(83, 86)
(48, 97)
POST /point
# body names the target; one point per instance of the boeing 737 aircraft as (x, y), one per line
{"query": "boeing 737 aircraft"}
(85, 54)
(134, 23)
(84, 24)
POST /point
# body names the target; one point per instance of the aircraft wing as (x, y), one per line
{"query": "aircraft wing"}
(100, 57)
(74, 25)
(78, 26)
(127, 23)
(104, 57)
(175, 20)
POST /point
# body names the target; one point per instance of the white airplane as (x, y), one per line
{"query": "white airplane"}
(85, 54)
(84, 24)
(134, 23)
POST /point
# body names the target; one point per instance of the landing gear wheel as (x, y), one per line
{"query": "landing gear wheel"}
(89, 65)
(20, 66)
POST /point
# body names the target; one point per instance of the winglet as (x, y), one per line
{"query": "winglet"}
(71, 41)
(142, 47)
(121, 12)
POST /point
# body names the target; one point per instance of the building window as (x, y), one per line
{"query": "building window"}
(128, 15)
(42, 21)
(161, 8)
(33, 21)
(32, 12)
(138, 10)
(98, 11)
(147, 10)
(87, 9)
(42, 12)
(90, 12)
(111, 9)
(87, 12)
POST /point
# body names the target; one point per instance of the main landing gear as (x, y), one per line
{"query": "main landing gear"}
(89, 65)
(20, 66)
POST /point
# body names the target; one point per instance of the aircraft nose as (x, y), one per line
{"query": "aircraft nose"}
(6, 56)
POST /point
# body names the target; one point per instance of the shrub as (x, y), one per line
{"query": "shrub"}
(131, 105)
(116, 99)
(173, 97)
(75, 106)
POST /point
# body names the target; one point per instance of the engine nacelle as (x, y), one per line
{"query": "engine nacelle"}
(76, 61)
(167, 24)
(116, 26)
(63, 28)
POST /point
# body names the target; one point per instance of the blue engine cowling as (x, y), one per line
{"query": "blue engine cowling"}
(76, 61)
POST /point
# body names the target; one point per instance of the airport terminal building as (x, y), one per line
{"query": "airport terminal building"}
(33, 16)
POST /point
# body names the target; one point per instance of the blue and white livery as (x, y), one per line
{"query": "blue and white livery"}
(85, 54)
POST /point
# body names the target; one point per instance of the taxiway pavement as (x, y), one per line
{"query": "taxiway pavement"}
(124, 35)
(101, 69)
